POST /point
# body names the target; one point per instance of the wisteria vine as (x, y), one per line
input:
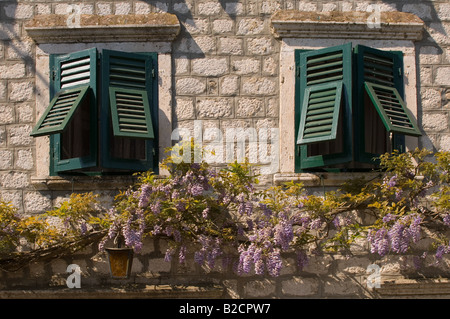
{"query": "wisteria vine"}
(212, 215)
(209, 213)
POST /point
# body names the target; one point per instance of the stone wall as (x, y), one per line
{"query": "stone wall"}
(225, 72)
(324, 276)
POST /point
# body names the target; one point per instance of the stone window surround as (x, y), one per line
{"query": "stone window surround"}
(315, 30)
(133, 33)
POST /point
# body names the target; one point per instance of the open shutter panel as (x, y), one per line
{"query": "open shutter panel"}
(320, 113)
(381, 76)
(392, 109)
(323, 74)
(130, 113)
(72, 76)
(60, 111)
(130, 82)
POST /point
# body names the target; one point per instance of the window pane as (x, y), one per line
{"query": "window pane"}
(376, 138)
(75, 139)
(128, 148)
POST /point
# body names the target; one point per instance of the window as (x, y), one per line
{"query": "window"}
(103, 113)
(349, 107)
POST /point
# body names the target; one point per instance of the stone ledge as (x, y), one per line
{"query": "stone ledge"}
(321, 179)
(338, 25)
(54, 28)
(82, 183)
(427, 288)
(136, 292)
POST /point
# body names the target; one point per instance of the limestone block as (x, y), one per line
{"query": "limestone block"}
(19, 11)
(439, 32)
(429, 55)
(298, 286)
(259, 86)
(21, 91)
(14, 180)
(234, 8)
(197, 45)
(122, 8)
(229, 85)
(25, 113)
(251, 26)
(443, 76)
(431, 98)
(20, 135)
(445, 142)
(260, 46)
(434, 122)
(6, 114)
(444, 12)
(2, 136)
(248, 107)
(197, 26)
(210, 66)
(2, 90)
(187, 86)
(104, 8)
(259, 288)
(209, 8)
(6, 159)
(221, 26)
(270, 7)
(182, 7)
(214, 108)
(245, 66)
(184, 109)
(12, 71)
(421, 10)
(24, 159)
(36, 202)
(230, 46)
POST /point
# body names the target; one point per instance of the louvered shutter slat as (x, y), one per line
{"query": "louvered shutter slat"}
(319, 119)
(130, 113)
(60, 111)
(129, 82)
(391, 109)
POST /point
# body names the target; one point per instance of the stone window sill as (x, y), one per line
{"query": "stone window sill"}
(54, 28)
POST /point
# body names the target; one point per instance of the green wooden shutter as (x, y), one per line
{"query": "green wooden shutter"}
(60, 111)
(380, 73)
(129, 82)
(323, 102)
(392, 109)
(129, 109)
(320, 113)
(70, 73)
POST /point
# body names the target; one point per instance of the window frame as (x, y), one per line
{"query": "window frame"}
(100, 127)
(303, 162)
(57, 164)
